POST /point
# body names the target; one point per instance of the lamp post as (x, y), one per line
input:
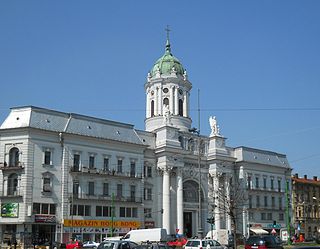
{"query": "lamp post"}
(195, 130)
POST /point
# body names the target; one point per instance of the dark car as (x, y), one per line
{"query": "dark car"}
(117, 244)
(147, 245)
(263, 242)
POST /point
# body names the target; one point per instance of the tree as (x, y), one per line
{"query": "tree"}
(230, 199)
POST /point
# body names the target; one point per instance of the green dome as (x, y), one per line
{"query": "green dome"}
(165, 63)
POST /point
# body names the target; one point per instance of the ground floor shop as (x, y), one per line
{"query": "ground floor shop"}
(95, 230)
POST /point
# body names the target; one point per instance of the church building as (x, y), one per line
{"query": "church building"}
(66, 175)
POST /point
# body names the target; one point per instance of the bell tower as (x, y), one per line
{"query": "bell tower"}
(167, 93)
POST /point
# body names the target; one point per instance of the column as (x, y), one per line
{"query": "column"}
(156, 102)
(148, 114)
(160, 105)
(176, 106)
(166, 200)
(185, 104)
(227, 184)
(171, 100)
(180, 201)
(216, 200)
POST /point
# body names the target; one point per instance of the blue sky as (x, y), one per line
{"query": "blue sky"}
(256, 64)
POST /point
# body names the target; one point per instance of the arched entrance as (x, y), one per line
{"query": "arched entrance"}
(191, 207)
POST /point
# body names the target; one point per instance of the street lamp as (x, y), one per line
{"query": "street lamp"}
(197, 131)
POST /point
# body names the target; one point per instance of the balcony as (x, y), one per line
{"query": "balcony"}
(104, 173)
(11, 167)
(11, 192)
(84, 196)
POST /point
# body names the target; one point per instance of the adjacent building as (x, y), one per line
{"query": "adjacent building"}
(306, 206)
(67, 175)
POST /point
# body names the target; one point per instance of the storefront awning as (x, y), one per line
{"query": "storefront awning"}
(259, 231)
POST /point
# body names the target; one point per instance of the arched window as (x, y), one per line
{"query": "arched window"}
(13, 157)
(191, 144)
(152, 108)
(191, 192)
(181, 141)
(180, 107)
(166, 101)
(13, 184)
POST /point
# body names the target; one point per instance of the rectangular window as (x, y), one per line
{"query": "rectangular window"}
(91, 188)
(257, 182)
(105, 189)
(46, 184)
(107, 211)
(266, 201)
(132, 192)
(273, 202)
(133, 169)
(98, 211)
(148, 194)
(147, 212)
(122, 212)
(119, 168)
(272, 183)
(281, 216)
(119, 190)
(263, 216)
(91, 162)
(279, 185)
(265, 183)
(76, 162)
(52, 209)
(36, 208)
(44, 208)
(249, 182)
(47, 157)
(270, 216)
(75, 189)
(250, 201)
(87, 210)
(128, 212)
(149, 171)
(258, 201)
(81, 210)
(106, 164)
(280, 203)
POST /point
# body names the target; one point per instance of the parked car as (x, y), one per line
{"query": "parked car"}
(263, 242)
(179, 242)
(90, 244)
(153, 246)
(74, 244)
(117, 244)
(203, 243)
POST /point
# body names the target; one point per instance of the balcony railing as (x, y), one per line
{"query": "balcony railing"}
(103, 172)
(11, 192)
(16, 166)
(83, 196)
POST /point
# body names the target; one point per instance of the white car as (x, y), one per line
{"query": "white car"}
(90, 244)
(203, 244)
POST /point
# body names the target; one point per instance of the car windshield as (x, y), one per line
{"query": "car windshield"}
(255, 241)
(106, 245)
(193, 243)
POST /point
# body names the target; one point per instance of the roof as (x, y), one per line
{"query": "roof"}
(70, 123)
(305, 180)
(167, 63)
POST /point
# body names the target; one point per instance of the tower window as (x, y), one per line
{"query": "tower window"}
(165, 90)
(180, 107)
(166, 101)
(152, 108)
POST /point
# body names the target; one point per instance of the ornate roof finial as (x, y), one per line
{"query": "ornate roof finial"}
(168, 48)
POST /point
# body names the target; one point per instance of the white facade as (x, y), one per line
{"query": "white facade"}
(51, 161)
